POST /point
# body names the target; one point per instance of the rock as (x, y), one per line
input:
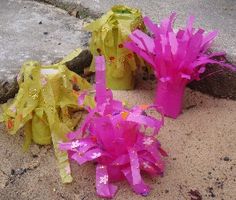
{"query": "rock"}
(22, 38)
(8, 89)
(15, 48)
(19, 171)
(226, 158)
(222, 18)
(195, 195)
(217, 82)
(79, 63)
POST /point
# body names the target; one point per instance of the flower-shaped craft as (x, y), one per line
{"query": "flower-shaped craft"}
(108, 35)
(177, 57)
(114, 137)
(46, 106)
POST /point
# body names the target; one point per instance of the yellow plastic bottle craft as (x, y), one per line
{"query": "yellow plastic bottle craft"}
(108, 35)
(46, 106)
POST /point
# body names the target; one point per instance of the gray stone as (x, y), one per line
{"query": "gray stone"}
(79, 63)
(73, 7)
(30, 30)
(35, 31)
(217, 82)
(211, 15)
(8, 89)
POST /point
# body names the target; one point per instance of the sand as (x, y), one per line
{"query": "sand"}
(201, 163)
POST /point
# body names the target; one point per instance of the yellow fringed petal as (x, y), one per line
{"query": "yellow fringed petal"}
(28, 135)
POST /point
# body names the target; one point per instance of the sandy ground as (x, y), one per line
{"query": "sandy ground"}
(201, 163)
(200, 143)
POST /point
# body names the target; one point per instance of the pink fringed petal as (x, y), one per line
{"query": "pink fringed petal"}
(140, 188)
(134, 164)
(144, 41)
(140, 52)
(103, 187)
(100, 84)
(152, 27)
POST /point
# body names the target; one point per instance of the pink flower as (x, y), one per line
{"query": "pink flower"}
(176, 56)
(114, 139)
